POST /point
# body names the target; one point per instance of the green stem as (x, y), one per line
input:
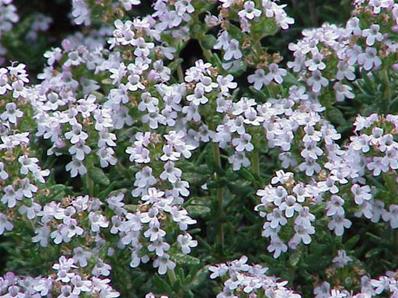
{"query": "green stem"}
(206, 52)
(395, 238)
(89, 185)
(220, 200)
(387, 92)
(217, 156)
(260, 294)
(172, 276)
(220, 234)
(173, 281)
(180, 73)
(217, 161)
(256, 161)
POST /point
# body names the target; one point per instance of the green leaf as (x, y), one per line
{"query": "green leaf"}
(58, 191)
(294, 258)
(235, 32)
(350, 244)
(198, 211)
(98, 176)
(373, 252)
(265, 27)
(162, 285)
(215, 60)
(390, 183)
(198, 207)
(208, 41)
(335, 116)
(182, 259)
(393, 108)
(242, 189)
(247, 175)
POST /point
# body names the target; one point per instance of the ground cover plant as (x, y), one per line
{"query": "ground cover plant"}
(192, 148)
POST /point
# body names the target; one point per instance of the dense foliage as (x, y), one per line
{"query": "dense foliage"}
(195, 148)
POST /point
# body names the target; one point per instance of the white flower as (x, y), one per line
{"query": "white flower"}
(154, 232)
(159, 246)
(338, 224)
(163, 264)
(353, 27)
(11, 113)
(128, 4)
(76, 167)
(3, 173)
(81, 12)
(250, 11)
(316, 62)
(372, 34)
(335, 206)
(345, 70)
(369, 59)
(377, 165)
(101, 269)
(80, 256)
(148, 103)
(303, 233)
(243, 143)
(153, 196)
(275, 73)
(42, 236)
(97, 221)
(317, 81)
(76, 134)
(134, 83)
(360, 143)
(258, 79)
(80, 285)
(393, 216)
(343, 91)
(186, 242)
(322, 291)
(276, 218)
(79, 150)
(277, 246)
(310, 166)
(225, 83)
(170, 173)
(361, 193)
(5, 224)
(233, 50)
(289, 205)
(198, 97)
(217, 271)
(223, 41)
(341, 260)
(282, 177)
(106, 157)
(239, 159)
(11, 196)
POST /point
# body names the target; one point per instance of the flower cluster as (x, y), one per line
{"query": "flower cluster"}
(249, 279)
(41, 23)
(254, 22)
(370, 287)
(20, 172)
(68, 281)
(123, 154)
(8, 17)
